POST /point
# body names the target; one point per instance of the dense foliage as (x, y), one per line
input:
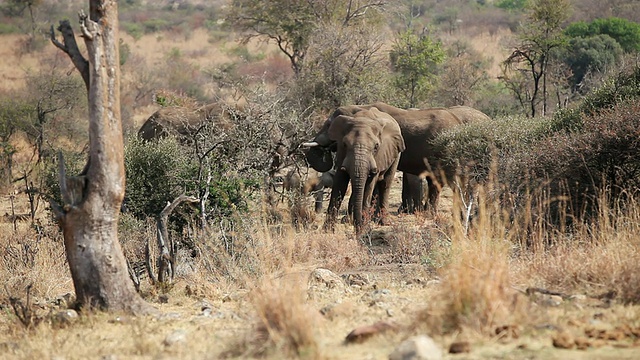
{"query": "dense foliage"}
(578, 154)
(625, 32)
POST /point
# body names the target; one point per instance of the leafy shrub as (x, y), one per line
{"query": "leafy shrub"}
(8, 29)
(625, 86)
(156, 173)
(576, 155)
(511, 4)
(133, 29)
(603, 157)
(155, 25)
(625, 32)
(591, 54)
(476, 146)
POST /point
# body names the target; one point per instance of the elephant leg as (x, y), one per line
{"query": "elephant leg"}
(384, 189)
(319, 199)
(412, 194)
(406, 205)
(340, 183)
(433, 189)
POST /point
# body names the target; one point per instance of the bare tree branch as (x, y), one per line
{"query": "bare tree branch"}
(70, 47)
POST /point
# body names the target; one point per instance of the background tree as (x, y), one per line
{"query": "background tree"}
(345, 65)
(15, 116)
(540, 34)
(414, 58)
(463, 73)
(625, 32)
(92, 200)
(291, 23)
(19, 8)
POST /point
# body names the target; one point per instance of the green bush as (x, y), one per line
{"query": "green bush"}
(576, 155)
(155, 25)
(8, 29)
(134, 29)
(623, 87)
(603, 157)
(625, 32)
(480, 146)
(156, 172)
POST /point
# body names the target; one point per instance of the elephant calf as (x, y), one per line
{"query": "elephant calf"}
(308, 182)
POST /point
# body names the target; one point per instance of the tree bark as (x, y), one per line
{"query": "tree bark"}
(89, 215)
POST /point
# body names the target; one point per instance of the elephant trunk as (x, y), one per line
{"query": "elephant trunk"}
(360, 173)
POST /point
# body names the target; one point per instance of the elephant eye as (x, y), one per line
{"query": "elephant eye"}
(376, 147)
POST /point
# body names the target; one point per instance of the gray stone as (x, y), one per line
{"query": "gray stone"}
(327, 278)
(178, 336)
(419, 347)
(65, 317)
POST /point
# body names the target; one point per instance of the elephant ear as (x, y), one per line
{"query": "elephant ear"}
(320, 158)
(339, 127)
(391, 133)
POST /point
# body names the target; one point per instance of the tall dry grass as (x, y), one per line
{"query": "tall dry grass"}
(488, 268)
(285, 324)
(597, 256)
(476, 292)
(36, 258)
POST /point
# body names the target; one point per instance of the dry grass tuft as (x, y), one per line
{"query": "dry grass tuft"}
(38, 260)
(600, 256)
(476, 292)
(284, 324)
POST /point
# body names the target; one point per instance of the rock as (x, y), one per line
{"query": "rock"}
(375, 297)
(417, 348)
(431, 283)
(235, 296)
(363, 333)
(178, 336)
(327, 278)
(163, 298)
(65, 317)
(552, 300)
(460, 347)
(563, 340)
(355, 279)
(578, 297)
(582, 343)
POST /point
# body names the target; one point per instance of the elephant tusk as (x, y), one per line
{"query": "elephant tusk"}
(310, 144)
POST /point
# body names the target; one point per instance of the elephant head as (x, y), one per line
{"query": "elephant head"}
(368, 146)
(320, 151)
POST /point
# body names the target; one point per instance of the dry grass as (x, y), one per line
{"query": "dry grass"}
(252, 276)
(284, 323)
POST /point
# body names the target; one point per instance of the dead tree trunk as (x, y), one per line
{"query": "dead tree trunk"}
(166, 261)
(89, 215)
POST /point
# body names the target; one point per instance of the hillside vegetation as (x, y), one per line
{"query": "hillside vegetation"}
(547, 267)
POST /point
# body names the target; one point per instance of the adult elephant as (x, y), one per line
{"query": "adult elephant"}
(368, 143)
(420, 158)
(183, 122)
(413, 192)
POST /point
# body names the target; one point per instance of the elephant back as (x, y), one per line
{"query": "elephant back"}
(182, 122)
(468, 114)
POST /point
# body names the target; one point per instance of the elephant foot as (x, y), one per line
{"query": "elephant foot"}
(329, 227)
(345, 220)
